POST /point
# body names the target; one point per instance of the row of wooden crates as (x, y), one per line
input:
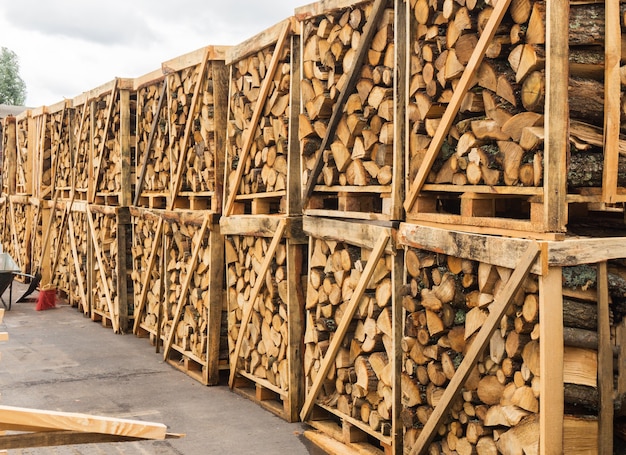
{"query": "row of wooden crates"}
(387, 110)
(384, 337)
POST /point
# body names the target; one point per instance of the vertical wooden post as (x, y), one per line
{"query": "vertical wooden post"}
(294, 188)
(605, 364)
(295, 318)
(401, 89)
(10, 155)
(551, 362)
(125, 196)
(220, 97)
(214, 304)
(397, 278)
(123, 238)
(557, 117)
(30, 158)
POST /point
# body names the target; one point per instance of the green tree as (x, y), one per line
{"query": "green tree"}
(12, 87)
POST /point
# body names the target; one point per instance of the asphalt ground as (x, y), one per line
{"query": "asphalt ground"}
(60, 360)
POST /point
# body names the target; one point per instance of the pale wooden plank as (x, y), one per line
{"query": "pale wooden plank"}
(400, 142)
(323, 7)
(247, 311)
(256, 115)
(551, 362)
(342, 329)
(40, 420)
(294, 173)
(214, 306)
(605, 363)
(259, 41)
(295, 318)
(612, 100)
(496, 311)
(366, 38)
(556, 124)
(461, 89)
(359, 234)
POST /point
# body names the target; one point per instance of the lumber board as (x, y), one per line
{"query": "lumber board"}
(193, 58)
(360, 234)
(605, 363)
(323, 7)
(259, 41)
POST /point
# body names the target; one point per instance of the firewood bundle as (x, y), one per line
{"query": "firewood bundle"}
(78, 233)
(359, 383)
(20, 232)
(24, 178)
(263, 352)
(188, 269)
(191, 124)
(153, 138)
(144, 245)
(41, 130)
(360, 152)
(447, 301)
(259, 117)
(81, 138)
(60, 121)
(61, 260)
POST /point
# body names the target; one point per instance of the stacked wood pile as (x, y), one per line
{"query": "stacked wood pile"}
(111, 296)
(347, 122)
(40, 129)
(60, 120)
(18, 241)
(152, 177)
(81, 140)
(196, 96)
(265, 267)
(492, 134)
(61, 260)
(349, 338)
(24, 154)
(262, 158)
(78, 237)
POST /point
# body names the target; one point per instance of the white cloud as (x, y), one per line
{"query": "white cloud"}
(66, 47)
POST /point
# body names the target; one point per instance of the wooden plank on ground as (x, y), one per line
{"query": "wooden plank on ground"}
(496, 311)
(342, 329)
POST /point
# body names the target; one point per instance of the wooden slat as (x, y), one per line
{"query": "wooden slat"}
(247, 310)
(605, 364)
(397, 278)
(191, 264)
(15, 418)
(342, 329)
(77, 263)
(496, 311)
(551, 362)
(153, 128)
(103, 273)
(364, 44)
(256, 116)
(294, 195)
(612, 98)
(295, 318)
(215, 296)
(556, 124)
(464, 84)
(125, 197)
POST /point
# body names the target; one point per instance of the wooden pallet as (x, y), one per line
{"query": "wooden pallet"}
(265, 264)
(538, 297)
(178, 279)
(262, 151)
(336, 435)
(350, 144)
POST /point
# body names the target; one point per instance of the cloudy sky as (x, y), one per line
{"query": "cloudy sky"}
(66, 47)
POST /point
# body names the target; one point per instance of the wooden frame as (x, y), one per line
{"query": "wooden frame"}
(363, 181)
(273, 243)
(381, 273)
(262, 172)
(555, 292)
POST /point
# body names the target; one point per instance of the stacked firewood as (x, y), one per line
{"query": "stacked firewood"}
(61, 260)
(19, 239)
(60, 124)
(359, 383)
(144, 244)
(360, 152)
(81, 134)
(182, 236)
(153, 137)
(199, 157)
(43, 154)
(78, 272)
(263, 352)
(23, 178)
(446, 303)
(265, 164)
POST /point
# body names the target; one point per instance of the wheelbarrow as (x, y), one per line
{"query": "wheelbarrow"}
(8, 270)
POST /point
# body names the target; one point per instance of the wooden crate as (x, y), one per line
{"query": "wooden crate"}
(352, 163)
(483, 137)
(109, 284)
(265, 259)
(18, 242)
(178, 282)
(352, 342)
(262, 153)
(103, 131)
(509, 344)
(197, 91)
(152, 166)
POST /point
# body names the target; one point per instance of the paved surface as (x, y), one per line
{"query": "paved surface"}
(59, 360)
